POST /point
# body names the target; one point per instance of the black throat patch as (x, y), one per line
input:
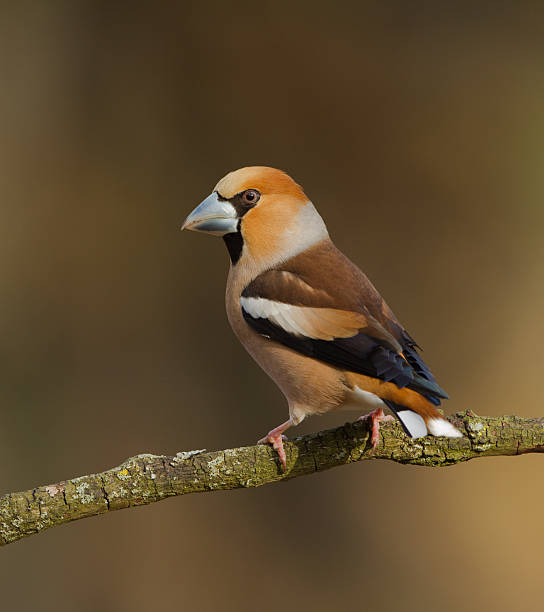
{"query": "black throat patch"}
(235, 244)
(234, 241)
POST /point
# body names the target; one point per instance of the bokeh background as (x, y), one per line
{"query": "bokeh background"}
(417, 129)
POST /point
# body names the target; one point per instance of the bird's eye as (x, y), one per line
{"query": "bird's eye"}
(251, 196)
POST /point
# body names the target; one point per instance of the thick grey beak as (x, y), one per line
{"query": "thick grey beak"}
(213, 216)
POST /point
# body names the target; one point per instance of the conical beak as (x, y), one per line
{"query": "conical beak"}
(213, 216)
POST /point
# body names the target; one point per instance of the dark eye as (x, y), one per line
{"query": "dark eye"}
(251, 196)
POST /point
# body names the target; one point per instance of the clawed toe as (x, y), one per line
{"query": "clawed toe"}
(376, 417)
(267, 439)
(276, 440)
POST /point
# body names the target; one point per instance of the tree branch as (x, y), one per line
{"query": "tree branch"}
(145, 479)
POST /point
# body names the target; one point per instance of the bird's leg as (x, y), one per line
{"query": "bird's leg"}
(276, 438)
(376, 416)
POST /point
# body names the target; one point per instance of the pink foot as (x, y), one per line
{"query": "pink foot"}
(276, 440)
(376, 416)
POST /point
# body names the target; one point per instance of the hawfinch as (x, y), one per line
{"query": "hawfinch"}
(308, 316)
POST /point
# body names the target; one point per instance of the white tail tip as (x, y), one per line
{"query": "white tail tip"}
(441, 427)
(413, 423)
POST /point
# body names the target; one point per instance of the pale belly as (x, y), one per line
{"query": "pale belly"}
(310, 386)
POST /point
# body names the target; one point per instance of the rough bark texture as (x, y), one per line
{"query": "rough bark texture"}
(149, 478)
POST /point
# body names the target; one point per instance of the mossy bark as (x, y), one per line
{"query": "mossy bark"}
(149, 478)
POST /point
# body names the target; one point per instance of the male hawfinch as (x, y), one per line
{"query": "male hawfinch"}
(307, 315)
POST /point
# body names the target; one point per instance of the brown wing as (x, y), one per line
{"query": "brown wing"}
(314, 305)
(323, 276)
(330, 279)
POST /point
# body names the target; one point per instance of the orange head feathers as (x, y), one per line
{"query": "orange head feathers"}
(268, 181)
(261, 212)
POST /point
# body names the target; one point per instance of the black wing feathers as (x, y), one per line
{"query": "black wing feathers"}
(311, 279)
(360, 353)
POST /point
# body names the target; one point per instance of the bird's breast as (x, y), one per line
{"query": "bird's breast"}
(310, 385)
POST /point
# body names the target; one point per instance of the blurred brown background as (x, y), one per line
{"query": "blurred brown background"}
(417, 130)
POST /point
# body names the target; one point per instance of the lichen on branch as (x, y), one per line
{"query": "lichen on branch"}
(146, 478)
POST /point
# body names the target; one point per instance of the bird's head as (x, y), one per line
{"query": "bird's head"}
(261, 211)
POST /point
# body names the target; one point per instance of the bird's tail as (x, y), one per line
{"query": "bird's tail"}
(427, 420)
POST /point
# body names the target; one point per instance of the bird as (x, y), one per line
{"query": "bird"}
(309, 316)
